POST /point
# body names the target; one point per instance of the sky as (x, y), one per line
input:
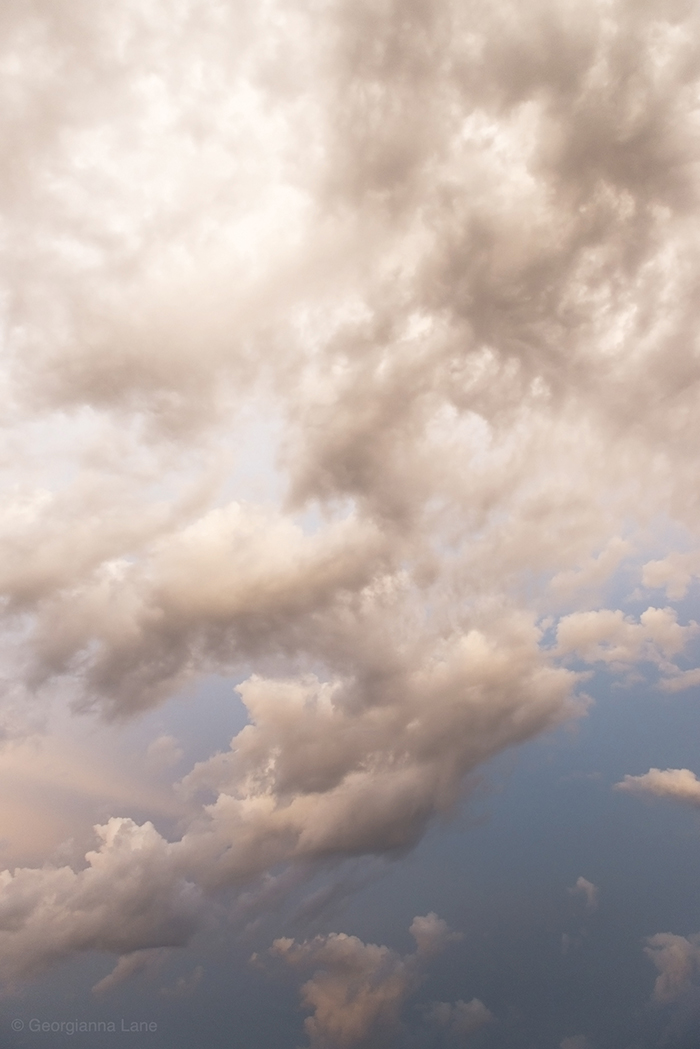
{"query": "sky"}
(349, 542)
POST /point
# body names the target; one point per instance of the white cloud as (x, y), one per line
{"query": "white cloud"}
(677, 784)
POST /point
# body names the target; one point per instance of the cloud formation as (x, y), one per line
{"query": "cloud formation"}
(676, 784)
(610, 637)
(677, 959)
(427, 272)
(130, 896)
(358, 989)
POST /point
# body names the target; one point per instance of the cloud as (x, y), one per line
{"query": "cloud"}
(459, 1019)
(677, 959)
(677, 784)
(127, 966)
(673, 573)
(438, 297)
(128, 898)
(358, 989)
(297, 782)
(608, 636)
(452, 356)
(588, 891)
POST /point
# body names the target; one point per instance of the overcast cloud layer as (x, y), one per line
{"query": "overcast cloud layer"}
(350, 349)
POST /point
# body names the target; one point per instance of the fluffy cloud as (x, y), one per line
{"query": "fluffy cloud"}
(323, 770)
(129, 897)
(678, 784)
(341, 369)
(677, 959)
(442, 316)
(358, 989)
(673, 573)
(608, 636)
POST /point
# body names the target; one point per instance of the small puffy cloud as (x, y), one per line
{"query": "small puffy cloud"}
(587, 890)
(676, 784)
(432, 934)
(358, 989)
(677, 959)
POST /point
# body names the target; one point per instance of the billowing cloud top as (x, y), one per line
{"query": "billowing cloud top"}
(348, 346)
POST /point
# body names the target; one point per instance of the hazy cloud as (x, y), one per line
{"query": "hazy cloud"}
(677, 959)
(128, 965)
(163, 753)
(459, 1019)
(588, 891)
